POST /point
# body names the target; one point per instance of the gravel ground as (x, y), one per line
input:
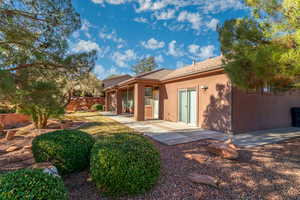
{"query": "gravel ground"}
(22, 157)
(268, 172)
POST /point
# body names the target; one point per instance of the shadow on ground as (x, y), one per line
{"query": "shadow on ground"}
(269, 172)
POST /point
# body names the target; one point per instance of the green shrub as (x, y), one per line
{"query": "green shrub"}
(31, 184)
(6, 110)
(124, 164)
(98, 107)
(68, 150)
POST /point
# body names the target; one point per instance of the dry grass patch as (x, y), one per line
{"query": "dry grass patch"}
(99, 125)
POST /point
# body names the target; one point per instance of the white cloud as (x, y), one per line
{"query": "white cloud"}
(193, 18)
(173, 50)
(153, 44)
(116, 2)
(180, 64)
(218, 6)
(201, 53)
(214, 6)
(86, 25)
(213, 24)
(111, 36)
(193, 48)
(84, 45)
(98, 1)
(76, 34)
(85, 28)
(145, 5)
(141, 20)
(165, 15)
(122, 59)
(159, 59)
(102, 72)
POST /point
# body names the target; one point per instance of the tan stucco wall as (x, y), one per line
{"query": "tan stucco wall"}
(214, 104)
(257, 112)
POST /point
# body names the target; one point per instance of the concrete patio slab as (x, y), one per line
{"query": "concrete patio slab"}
(170, 133)
(258, 138)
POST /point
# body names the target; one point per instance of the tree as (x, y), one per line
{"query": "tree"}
(35, 57)
(144, 65)
(263, 50)
(34, 33)
(39, 99)
(86, 85)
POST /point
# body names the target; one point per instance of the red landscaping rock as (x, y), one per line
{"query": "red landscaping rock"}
(12, 148)
(27, 147)
(203, 179)
(197, 157)
(10, 135)
(13, 119)
(231, 145)
(224, 150)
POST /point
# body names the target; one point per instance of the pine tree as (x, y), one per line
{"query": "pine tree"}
(144, 65)
(263, 49)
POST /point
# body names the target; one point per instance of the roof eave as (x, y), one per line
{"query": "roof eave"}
(202, 73)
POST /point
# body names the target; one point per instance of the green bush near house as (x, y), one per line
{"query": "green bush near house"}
(6, 110)
(124, 164)
(68, 150)
(97, 107)
(31, 184)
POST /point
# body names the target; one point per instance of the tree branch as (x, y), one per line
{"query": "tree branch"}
(23, 14)
(23, 66)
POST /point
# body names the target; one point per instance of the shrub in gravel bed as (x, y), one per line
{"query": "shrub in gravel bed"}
(124, 164)
(68, 150)
(97, 107)
(31, 184)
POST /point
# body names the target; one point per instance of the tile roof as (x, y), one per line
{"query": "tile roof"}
(206, 65)
(158, 75)
(167, 74)
(110, 82)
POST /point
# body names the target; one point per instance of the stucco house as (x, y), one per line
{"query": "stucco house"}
(200, 95)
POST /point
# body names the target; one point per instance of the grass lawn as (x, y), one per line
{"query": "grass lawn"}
(99, 125)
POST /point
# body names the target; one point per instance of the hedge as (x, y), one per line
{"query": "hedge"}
(31, 184)
(68, 150)
(124, 164)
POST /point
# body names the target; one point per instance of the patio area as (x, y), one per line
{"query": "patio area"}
(169, 133)
(172, 133)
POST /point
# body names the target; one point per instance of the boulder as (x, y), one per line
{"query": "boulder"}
(10, 134)
(224, 150)
(230, 144)
(203, 179)
(11, 149)
(27, 147)
(47, 168)
(2, 126)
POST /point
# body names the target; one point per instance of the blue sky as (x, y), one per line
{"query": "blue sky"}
(176, 32)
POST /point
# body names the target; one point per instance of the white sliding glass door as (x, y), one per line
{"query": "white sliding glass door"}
(188, 106)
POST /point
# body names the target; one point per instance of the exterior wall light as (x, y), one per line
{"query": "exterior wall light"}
(204, 87)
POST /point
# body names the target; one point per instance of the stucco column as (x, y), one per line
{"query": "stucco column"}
(106, 102)
(161, 102)
(139, 108)
(119, 102)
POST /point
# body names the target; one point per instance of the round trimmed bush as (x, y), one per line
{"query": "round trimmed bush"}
(124, 164)
(98, 107)
(67, 150)
(31, 184)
